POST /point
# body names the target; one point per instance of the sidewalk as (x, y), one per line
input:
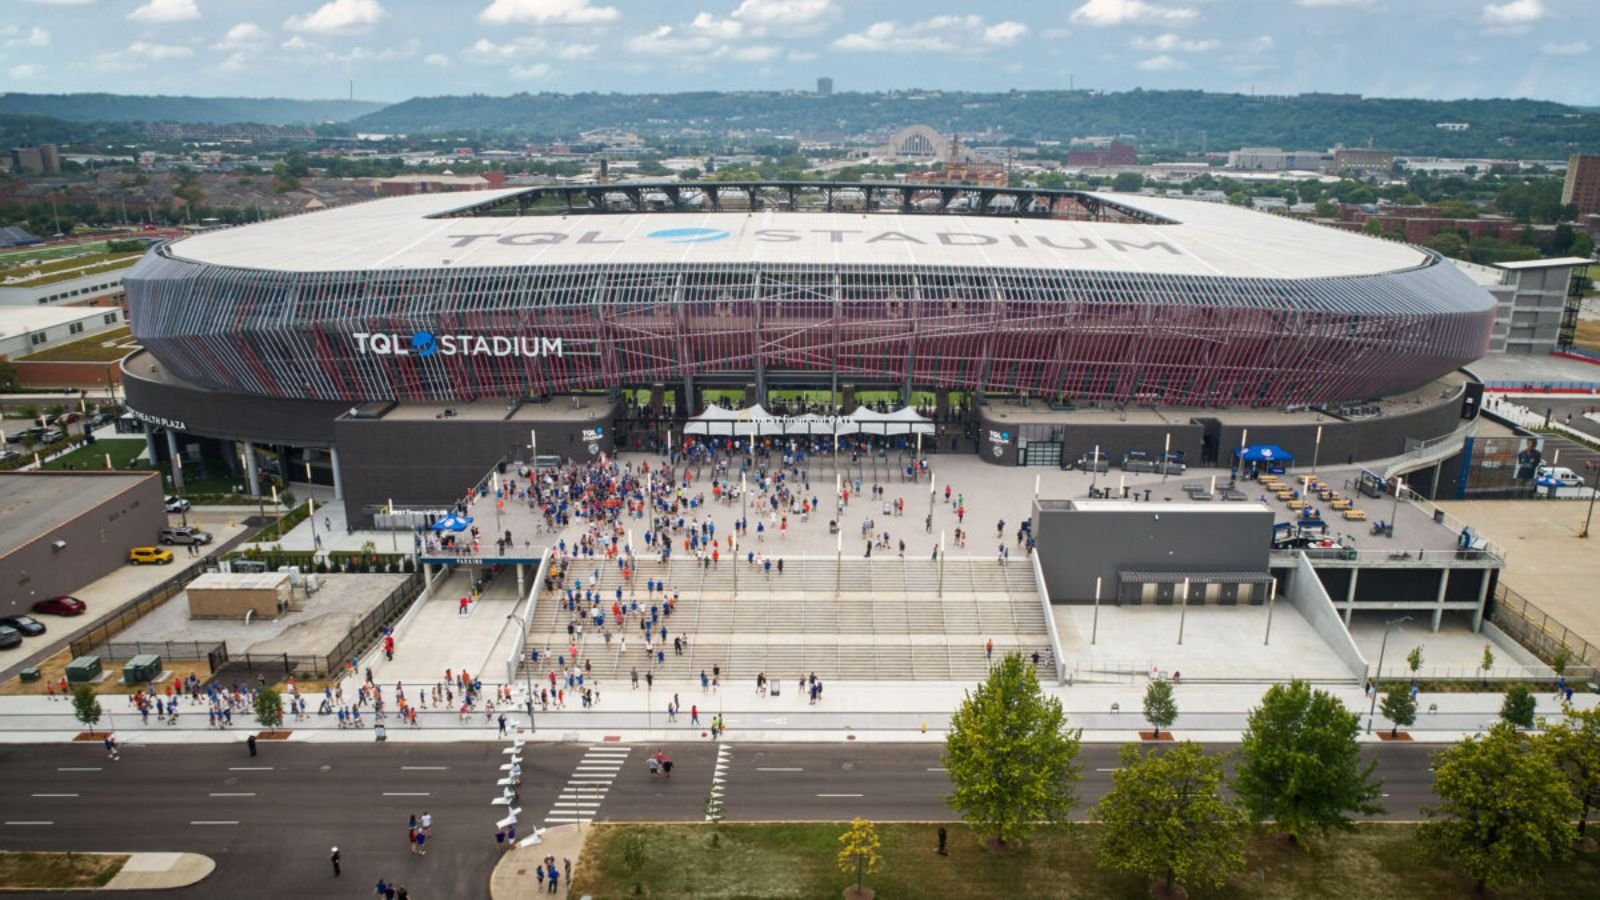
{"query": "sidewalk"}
(513, 876)
(161, 872)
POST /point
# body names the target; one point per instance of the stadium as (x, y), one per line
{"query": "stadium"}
(484, 306)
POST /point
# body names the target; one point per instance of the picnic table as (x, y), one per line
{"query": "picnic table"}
(1356, 515)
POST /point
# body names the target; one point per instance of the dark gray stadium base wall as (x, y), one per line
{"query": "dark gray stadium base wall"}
(1343, 441)
(434, 462)
(264, 420)
(1076, 546)
(97, 543)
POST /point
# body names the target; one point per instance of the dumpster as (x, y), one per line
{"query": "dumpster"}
(141, 669)
(30, 674)
(83, 670)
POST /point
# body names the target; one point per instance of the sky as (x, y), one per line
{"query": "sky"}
(395, 49)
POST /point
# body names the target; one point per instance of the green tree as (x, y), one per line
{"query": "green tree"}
(1011, 756)
(1373, 228)
(269, 708)
(1300, 765)
(1160, 710)
(1399, 707)
(86, 706)
(8, 374)
(1518, 707)
(1505, 811)
(1487, 663)
(1327, 209)
(1575, 746)
(1414, 660)
(1165, 817)
(859, 855)
(1127, 182)
(1582, 245)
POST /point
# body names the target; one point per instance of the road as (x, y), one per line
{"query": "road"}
(272, 819)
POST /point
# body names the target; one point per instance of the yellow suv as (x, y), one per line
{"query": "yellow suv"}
(143, 556)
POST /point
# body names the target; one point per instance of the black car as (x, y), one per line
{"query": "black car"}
(28, 625)
(9, 637)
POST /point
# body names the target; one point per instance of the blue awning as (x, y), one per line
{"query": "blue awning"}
(453, 522)
(1263, 453)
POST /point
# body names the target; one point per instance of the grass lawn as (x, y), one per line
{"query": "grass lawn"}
(122, 451)
(1587, 335)
(12, 257)
(798, 860)
(58, 870)
(107, 346)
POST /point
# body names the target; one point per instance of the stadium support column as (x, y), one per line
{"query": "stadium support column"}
(251, 473)
(150, 447)
(1438, 606)
(1483, 599)
(338, 479)
(177, 467)
(1350, 596)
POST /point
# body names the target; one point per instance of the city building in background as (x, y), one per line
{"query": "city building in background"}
(1582, 185)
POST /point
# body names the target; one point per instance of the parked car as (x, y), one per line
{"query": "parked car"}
(1558, 476)
(144, 556)
(28, 625)
(1088, 462)
(9, 637)
(177, 504)
(52, 435)
(61, 606)
(21, 435)
(185, 536)
(8, 455)
(101, 419)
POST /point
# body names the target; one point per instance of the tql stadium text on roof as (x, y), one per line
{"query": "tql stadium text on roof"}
(426, 343)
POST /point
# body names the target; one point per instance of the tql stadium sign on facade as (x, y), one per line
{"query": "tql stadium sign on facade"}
(425, 343)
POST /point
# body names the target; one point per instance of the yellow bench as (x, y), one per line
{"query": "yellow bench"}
(1355, 515)
(1297, 504)
(1343, 503)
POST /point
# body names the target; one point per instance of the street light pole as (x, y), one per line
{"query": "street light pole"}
(1591, 465)
(1378, 676)
(528, 672)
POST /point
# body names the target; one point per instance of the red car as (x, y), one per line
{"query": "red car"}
(61, 606)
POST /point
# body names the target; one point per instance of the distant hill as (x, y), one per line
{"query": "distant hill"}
(1182, 120)
(188, 110)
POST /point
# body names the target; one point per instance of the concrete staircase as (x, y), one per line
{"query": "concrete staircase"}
(887, 621)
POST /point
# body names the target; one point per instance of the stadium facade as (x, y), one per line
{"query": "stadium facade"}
(1070, 298)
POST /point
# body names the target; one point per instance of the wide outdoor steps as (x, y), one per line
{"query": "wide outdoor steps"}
(887, 620)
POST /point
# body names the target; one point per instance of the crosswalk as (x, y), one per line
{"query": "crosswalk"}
(586, 788)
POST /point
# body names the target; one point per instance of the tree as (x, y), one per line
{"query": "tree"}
(1414, 660)
(1505, 811)
(8, 374)
(85, 706)
(1399, 707)
(269, 708)
(1300, 764)
(1127, 182)
(1373, 227)
(1160, 710)
(1575, 746)
(1011, 756)
(1518, 708)
(859, 855)
(1166, 817)
(1487, 663)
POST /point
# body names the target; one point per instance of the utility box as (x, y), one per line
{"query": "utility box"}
(83, 670)
(30, 674)
(141, 669)
(230, 596)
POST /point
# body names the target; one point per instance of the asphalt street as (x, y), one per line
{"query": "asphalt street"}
(271, 820)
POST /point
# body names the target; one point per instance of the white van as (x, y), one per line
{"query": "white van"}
(1558, 476)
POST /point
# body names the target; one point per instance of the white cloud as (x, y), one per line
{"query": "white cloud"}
(25, 71)
(536, 70)
(140, 53)
(668, 41)
(1162, 63)
(484, 50)
(244, 34)
(576, 51)
(1260, 45)
(1570, 48)
(800, 56)
(436, 59)
(166, 11)
(62, 3)
(339, 17)
(1347, 4)
(298, 43)
(1103, 13)
(941, 34)
(547, 12)
(758, 53)
(785, 13)
(235, 62)
(721, 29)
(14, 36)
(387, 54)
(1166, 43)
(1517, 12)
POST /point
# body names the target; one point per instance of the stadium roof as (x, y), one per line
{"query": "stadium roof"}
(1205, 239)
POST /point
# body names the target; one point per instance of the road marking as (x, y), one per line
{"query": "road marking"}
(55, 795)
(233, 795)
(937, 769)
(79, 769)
(249, 768)
(777, 769)
(423, 768)
(28, 822)
(407, 793)
(215, 822)
(566, 820)
(1116, 769)
(838, 795)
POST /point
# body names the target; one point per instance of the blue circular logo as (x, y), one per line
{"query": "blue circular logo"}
(1005, 435)
(599, 430)
(689, 235)
(423, 344)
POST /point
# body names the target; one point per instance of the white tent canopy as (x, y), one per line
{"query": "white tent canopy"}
(756, 420)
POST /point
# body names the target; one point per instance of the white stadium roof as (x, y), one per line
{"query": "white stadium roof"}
(1208, 239)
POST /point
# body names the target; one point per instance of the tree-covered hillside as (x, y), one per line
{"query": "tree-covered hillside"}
(217, 110)
(1176, 120)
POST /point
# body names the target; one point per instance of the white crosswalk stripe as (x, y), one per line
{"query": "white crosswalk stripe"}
(587, 786)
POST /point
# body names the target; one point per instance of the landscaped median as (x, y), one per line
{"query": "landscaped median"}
(801, 860)
(58, 871)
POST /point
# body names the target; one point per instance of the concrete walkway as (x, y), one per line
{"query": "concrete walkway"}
(161, 872)
(513, 877)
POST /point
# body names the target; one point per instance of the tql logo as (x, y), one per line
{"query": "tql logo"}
(689, 235)
(426, 343)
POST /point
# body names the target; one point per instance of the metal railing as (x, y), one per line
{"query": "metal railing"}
(169, 651)
(520, 645)
(136, 609)
(1049, 618)
(1399, 555)
(1540, 632)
